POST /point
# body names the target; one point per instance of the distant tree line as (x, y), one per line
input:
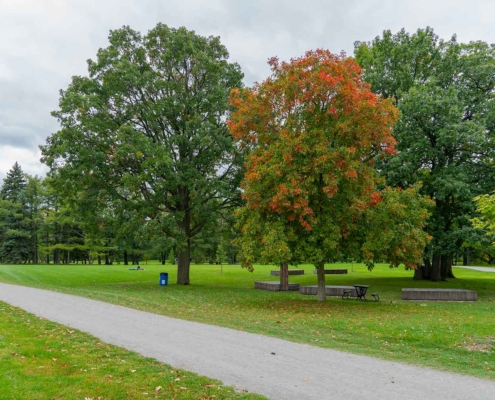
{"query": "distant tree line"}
(38, 226)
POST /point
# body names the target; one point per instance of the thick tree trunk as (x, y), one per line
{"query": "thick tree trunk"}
(320, 273)
(183, 258)
(184, 253)
(99, 260)
(126, 258)
(418, 273)
(284, 277)
(447, 267)
(435, 268)
(163, 257)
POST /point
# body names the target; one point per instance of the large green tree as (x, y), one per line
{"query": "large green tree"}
(445, 93)
(146, 131)
(312, 130)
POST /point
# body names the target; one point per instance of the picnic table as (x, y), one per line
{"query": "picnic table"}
(361, 291)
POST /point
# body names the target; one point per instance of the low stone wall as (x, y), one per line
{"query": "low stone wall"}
(439, 294)
(291, 272)
(274, 286)
(329, 290)
(333, 271)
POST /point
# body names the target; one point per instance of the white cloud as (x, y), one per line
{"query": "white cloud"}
(45, 42)
(29, 160)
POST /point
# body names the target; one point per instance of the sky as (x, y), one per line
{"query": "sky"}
(46, 42)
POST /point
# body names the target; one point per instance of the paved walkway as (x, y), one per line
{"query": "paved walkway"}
(482, 269)
(275, 368)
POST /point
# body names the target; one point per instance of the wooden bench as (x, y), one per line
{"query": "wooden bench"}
(274, 286)
(290, 272)
(330, 290)
(439, 294)
(333, 271)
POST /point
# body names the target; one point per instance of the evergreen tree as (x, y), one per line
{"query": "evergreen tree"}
(14, 184)
(15, 225)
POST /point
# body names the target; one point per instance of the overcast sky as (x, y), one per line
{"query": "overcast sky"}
(45, 42)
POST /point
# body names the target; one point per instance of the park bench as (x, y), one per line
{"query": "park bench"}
(376, 296)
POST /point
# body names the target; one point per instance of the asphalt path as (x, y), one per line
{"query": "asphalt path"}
(273, 367)
(482, 269)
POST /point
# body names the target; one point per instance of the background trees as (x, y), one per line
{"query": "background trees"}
(312, 130)
(445, 135)
(16, 233)
(145, 132)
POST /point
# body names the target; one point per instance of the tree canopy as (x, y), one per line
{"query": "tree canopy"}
(145, 132)
(312, 131)
(445, 135)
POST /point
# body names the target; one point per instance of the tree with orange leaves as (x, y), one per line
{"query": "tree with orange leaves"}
(311, 131)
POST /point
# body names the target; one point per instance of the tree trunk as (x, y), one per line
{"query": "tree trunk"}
(320, 273)
(184, 255)
(419, 272)
(126, 259)
(435, 268)
(163, 257)
(99, 260)
(447, 269)
(35, 245)
(183, 258)
(466, 258)
(56, 256)
(284, 277)
(68, 257)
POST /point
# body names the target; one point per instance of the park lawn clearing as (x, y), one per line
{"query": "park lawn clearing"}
(453, 336)
(40, 359)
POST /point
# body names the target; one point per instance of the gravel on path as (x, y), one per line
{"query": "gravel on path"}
(272, 367)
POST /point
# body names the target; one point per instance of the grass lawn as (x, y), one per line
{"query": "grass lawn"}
(43, 360)
(453, 336)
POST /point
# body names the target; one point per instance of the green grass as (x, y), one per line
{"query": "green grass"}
(43, 360)
(453, 336)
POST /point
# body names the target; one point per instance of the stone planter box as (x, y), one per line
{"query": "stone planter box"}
(439, 294)
(274, 286)
(334, 291)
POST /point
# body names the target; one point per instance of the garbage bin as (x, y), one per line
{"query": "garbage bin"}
(163, 278)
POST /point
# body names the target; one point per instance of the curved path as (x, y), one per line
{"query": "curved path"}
(482, 269)
(273, 367)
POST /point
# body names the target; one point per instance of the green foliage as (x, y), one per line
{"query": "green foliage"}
(145, 132)
(312, 130)
(14, 185)
(16, 232)
(445, 93)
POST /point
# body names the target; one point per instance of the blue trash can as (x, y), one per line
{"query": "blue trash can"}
(163, 278)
